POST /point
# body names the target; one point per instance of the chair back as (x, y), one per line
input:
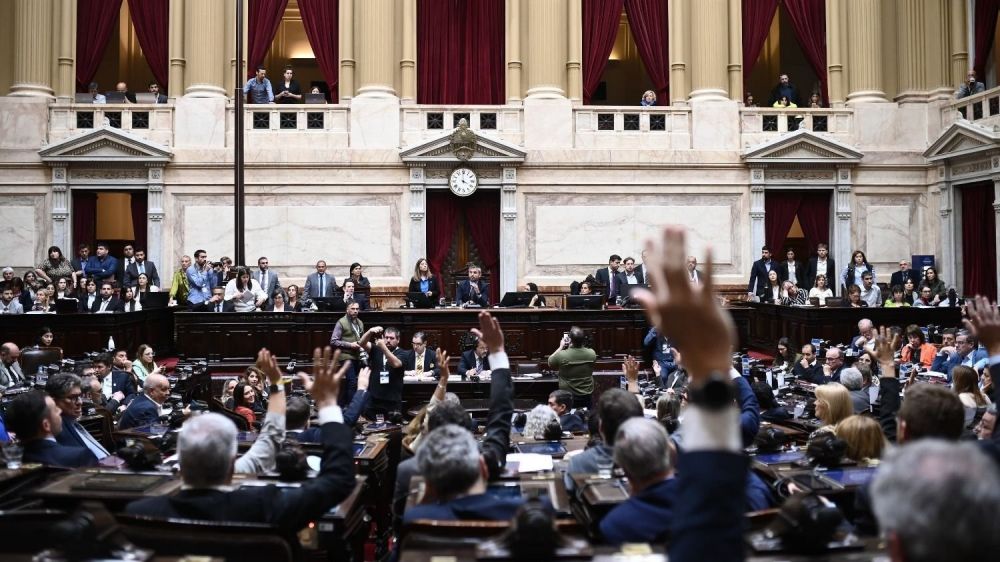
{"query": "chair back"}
(27, 530)
(34, 357)
(215, 406)
(224, 539)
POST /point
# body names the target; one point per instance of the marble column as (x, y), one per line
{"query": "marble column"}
(936, 45)
(513, 51)
(376, 67)
(229, 80)
(959, 42)
(842, 244)
(205, 47)
(418, 217)
(347, 61)
(175, 87)
(709, 21)
(835, 21)
(60, 207)
(864, 51)
(408, 64)
(33, 48)
(574, 52)
(547, 55)
(757, 194)
(680, 38)
(66, 51)
(911, 51)
(508, 231)
(154, 215)
(735, 68)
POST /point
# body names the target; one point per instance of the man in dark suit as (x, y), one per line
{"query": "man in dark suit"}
(66, 390)
(350, 295)
(822, 264)
(904, 273)
(473, 290)
(321, 283)
(207, 447)
(791, 269)
(759, 271)
(36, 420)
(420, 360)
(475, 361)
(124, 385)
(608, 276)
(692, 270)
(561, 402)
(79, 263)
(454, 474)
(809, 368)
(267, 278)
(145, 408)
(216, 303)
(139, 266)
(628, 275)
(107, 302)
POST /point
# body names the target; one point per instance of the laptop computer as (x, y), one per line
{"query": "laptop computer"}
(151, 301)
(330, 304)
(315, 98)
(83, 98)
(527, 368)
(115, 97)
(64, 306)
(419, 300)
(516, 299)
(145, 97)
(585, 302)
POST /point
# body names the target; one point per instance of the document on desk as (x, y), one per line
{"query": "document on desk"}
(530, 462)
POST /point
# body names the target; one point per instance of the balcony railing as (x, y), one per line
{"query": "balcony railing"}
(984, 106)
(632, 127)
(153, 122)
(302, 125)
(420, 123)
(758, 124)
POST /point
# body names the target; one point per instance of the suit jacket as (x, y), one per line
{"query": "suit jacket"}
(707, 521)
(644, 517)
(464, 294)
(227, 306)
(289, 509)
(68, 437)
(758, 276)
(800, 272)
(114, 305)
(123, 382)
(51, 453)
(132, 274)
(468, 361)
(141, 411)
(409, 362)
(603, 277)
(832, 275)
(83, 301)
(362, 301)
(8, 375)
(572, 422)
(900, 277)
(621, 288)
(311, 288)
(435, 288)
(270, 281)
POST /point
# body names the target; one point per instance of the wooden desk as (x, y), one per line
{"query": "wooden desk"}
(77, 334)
(66, 492)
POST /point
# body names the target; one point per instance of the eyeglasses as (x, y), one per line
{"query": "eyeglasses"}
(74, 397)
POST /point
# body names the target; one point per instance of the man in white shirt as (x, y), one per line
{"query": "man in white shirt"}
(870, 293)
(267, 279)
(8, 305)
(822, 264)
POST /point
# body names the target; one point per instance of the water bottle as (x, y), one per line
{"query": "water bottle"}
(111, 343)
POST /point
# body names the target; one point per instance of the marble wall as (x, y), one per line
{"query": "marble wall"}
(20, 233)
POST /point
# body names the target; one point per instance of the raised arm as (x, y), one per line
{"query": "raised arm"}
(498, 422)
(442, 386)
(889, 385)
(260, 457)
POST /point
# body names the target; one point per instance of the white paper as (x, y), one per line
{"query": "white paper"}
(530, 462)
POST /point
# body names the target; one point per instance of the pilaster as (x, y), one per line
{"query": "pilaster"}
(547, 48)
(154, 214)
(864, 50)
(946, 213)
(574, 49)
(418, 217)
(842, 245)
(205, 46)
(33, 23)
(996, 231)
(408, 63)
(709, 50)
(61, 207)
(835, 53)
(175, 88)
(513, 51)
(347, 60)
(936, 44)
(508, 231)
(757, 231)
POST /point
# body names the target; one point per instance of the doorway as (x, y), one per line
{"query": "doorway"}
(464, 230)
(114, 217)
(798, 220)
(979, 248)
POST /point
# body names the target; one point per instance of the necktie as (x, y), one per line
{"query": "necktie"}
(142, 268)
(479, 365)
(218, 307)
(611, 282)
(93, 444)
(104, 305)
(420, 365)
(322, 286)
(261, 279)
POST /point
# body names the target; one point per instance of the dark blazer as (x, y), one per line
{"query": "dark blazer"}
(227, 306)
(311, 287)
(114, 305)
(572, 422)
(832, 274)
(435, 288)
(707, 521)
(83, 301)
(52, 453)
(464, 294)
(813, 374)
(900, 277)
(758, 276)
(289, 509)
(68, 437)
(800, 273)
(602, 278)
(767, 295)
(468, 361)
(132, 274)
(362, 301)
(645, 517)
(622, 283)
(141, 411)
(410, 360)
(124, 382)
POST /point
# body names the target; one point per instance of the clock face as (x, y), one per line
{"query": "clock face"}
(463, 182)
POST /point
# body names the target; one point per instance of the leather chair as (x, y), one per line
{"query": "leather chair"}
(34, 357)
(231, 540)
(215, 406)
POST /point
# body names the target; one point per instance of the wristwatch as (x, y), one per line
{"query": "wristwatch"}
(275, 388)
(715, 394)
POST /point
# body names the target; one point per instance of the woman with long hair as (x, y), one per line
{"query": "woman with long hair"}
(227, 392)
(910, 293)
(864, 437)
(245, 292)
(356, 275)
(854, 272)
(244, 400)
(537, 300)
(129, 301)
(424, 281)
(293, 303)
(786, 357)
(45, 337)
(143, 366)
(898, 298)
(772, 293)
(55, 266)
(63, 290)
(833, 404)
(821, 291)
(917, 350)
(965, 383)
(938, 289)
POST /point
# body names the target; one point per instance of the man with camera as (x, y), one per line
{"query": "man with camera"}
(575, 363)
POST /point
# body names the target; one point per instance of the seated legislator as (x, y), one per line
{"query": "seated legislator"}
(207, 447)
(917, 350)
(614, 407)
(642, 450)
(476, 361)
(66, 389)
(821, 291)
(629, 275)
(8, 305)
(145, 408)
(561, 402)
(350, 295)
(809, 369)
(793, 295)
(277, 302)
(537, 300)
(36, 420)
(420, 361)
(898, 298)
(772, 292)
(455, 467)
(473, 291)
(107, 302)
(216, 303)
(424, 281)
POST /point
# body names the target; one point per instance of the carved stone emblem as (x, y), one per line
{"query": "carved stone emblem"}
(463, 141)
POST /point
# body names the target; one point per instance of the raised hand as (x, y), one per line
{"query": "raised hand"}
(687, 314)
(442, 363)
(326, 386)
(363, 377)
(268, 365)
(884, 351)
(984, 322)
(630, 368)
(489, 331)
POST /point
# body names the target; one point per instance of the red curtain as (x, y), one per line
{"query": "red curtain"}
(460, 52)
(814, 218)
(482, 215)
(648, 21)
(600, 26)
(757, 18)
(780, 209)
(321, 20)
(84, 220)
(979, 248)
(985, 20)
(442, 215)
(265, 16)
(151, 21)
(95, 20)
(138, 204)
(809, 20)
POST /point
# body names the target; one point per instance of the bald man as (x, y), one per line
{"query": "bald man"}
(145, 409)
(10, 369)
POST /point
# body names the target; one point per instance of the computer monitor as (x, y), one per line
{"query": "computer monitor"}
(145, 97)
(516, 299)
(151, 301)
(84, 97)
(330, 304)
(419, 300)
(64, 306)
(115, 97)
(315, 98)
(585, 302)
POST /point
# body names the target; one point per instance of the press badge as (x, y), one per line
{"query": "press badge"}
(383, 377)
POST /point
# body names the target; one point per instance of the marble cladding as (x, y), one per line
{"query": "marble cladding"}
(887, 228)
(20, 233)
(24, 122)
